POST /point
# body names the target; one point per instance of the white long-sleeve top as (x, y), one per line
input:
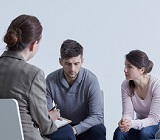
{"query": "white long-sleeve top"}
(147, 110)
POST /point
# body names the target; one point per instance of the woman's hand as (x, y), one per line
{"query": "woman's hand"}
(54, 114)
(124, 125)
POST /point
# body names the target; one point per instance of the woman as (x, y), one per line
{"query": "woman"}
(140, 94)
(25, 82)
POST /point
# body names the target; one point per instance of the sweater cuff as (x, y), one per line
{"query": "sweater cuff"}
(134, 124)
(78, 129)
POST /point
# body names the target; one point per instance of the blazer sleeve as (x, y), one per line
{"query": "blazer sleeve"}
(38, 105)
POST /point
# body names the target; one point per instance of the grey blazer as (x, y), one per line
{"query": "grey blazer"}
(26, 83)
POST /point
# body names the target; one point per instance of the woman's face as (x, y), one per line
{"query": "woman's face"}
(131, 71)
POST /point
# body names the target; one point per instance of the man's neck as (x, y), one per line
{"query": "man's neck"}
(69, 80)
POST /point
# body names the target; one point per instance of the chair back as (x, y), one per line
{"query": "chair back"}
(102, 95)
(10, 122)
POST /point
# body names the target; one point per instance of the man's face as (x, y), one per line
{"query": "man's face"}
(71, 66)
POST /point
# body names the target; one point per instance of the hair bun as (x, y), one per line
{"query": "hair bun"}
(12, 37)
(149, 66)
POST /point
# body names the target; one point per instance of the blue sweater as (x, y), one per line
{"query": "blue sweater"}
(81, 103)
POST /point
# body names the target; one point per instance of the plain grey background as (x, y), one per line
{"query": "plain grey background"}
(107, 29)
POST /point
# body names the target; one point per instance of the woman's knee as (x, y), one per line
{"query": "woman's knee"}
(117, 134)
(147, 132)
(144, 132)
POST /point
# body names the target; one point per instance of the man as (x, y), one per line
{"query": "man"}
(76, 92)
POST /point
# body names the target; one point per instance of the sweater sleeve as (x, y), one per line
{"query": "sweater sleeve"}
(127, 106)
(95, 109)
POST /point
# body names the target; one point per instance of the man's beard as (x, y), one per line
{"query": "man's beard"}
(72, 77)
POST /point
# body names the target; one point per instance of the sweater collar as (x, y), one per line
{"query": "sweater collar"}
(77, 80)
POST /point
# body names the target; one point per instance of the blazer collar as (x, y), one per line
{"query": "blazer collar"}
(12, 54)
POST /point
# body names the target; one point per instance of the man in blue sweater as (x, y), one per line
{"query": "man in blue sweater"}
(76, 92)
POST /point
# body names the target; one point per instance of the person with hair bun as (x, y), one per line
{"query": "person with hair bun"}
(26, 83)
(140, 95)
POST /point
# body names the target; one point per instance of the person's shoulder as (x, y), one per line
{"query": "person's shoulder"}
(32, 69)
(88, 73)
(54, 73)
(154, 80)
(154, 85)
(125, 83)
(89, 76)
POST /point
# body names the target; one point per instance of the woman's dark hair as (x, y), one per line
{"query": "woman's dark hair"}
(23, 31)
(139, 59)
(70, 48)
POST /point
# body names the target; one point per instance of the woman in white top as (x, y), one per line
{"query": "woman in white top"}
(140, 95)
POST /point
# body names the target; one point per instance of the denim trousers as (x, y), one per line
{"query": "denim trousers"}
(145, 133)
(97, 132)
(157, 135)
(63, 133)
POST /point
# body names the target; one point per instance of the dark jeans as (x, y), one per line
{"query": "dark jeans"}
(63, 133)
(145, 133)
(97, 132)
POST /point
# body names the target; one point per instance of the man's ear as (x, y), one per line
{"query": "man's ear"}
(82, 60)
(60, 61)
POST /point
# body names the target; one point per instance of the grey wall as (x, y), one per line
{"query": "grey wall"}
(108, 29)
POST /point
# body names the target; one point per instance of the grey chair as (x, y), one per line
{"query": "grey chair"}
(10, 121)
(102, 95)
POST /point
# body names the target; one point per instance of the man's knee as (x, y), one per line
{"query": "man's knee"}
(98, 131)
